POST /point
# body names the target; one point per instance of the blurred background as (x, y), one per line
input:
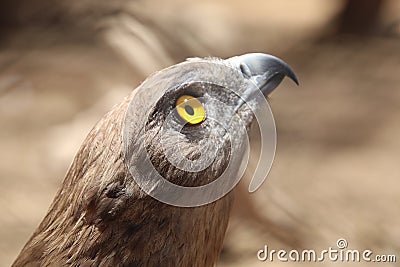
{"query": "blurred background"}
(336, 174)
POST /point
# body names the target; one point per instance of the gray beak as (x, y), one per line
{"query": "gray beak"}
(266, 71)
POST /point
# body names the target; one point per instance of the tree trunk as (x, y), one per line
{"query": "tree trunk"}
(360, 17)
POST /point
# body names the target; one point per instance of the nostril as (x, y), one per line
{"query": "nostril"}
(245, 70)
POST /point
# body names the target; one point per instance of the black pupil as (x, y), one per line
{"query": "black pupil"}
(189, 110)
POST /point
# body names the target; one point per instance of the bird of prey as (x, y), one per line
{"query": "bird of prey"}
(103, 215)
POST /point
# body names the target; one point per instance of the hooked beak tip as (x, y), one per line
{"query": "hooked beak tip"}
(269, 70)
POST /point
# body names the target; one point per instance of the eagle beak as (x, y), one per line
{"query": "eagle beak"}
(266, 71)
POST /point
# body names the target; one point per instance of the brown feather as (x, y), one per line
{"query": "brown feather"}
(100, 217)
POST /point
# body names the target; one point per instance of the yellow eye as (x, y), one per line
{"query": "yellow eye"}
(190, 109)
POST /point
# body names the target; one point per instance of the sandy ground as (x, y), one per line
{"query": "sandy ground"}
(336, 172)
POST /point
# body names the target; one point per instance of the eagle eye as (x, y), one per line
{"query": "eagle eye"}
(190, 109)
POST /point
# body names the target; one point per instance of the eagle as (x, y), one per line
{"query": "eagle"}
(179, 129)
